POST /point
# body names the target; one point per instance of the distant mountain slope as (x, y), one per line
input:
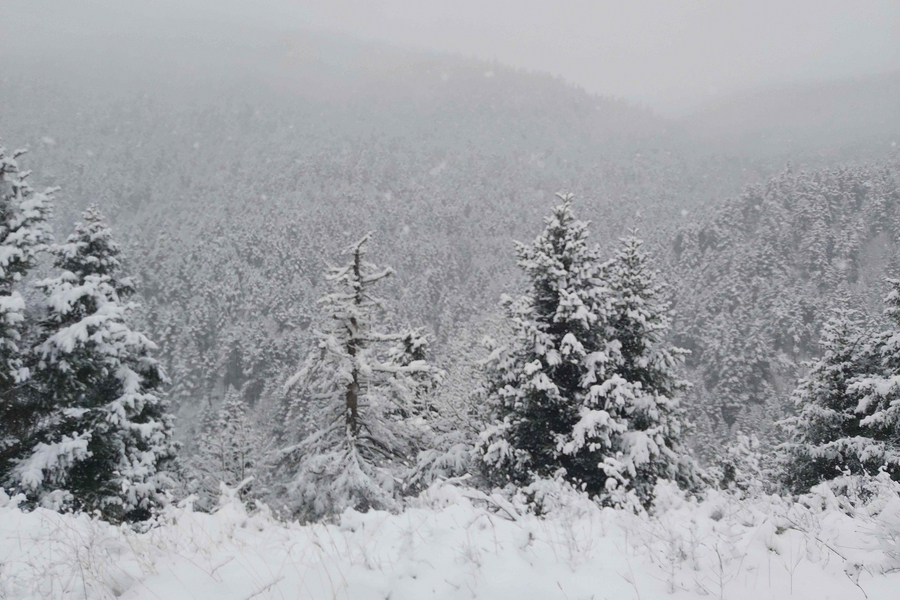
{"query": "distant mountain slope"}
(230, 198)
(754, 281)
(232, 172)
(851, 119)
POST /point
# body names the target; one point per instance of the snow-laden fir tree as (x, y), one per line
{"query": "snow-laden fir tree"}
(646, 386)
(231, 451)
(826, 437)
(546, 382)
(879, 393)
(359, 393)
(105, 438)
(586, 386)
(24, 230)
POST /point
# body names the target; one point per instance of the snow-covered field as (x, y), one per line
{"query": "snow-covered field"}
(459, 543)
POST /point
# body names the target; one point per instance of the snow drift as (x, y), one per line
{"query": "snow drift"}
(459, 543)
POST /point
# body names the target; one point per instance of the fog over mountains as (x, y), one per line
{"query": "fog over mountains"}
(235, 170)
(475, 300)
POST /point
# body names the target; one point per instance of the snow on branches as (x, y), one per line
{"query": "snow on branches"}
(358, 400)
(103, 435)
(586, 385)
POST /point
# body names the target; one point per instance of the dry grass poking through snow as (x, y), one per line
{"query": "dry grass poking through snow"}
(458, 543)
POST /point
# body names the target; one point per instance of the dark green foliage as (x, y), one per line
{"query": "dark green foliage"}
(24, 230)
(104, 437)
(586, 388)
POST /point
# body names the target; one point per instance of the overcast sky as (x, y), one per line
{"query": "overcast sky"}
(669, 54)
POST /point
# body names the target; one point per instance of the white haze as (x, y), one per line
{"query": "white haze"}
(672, 55)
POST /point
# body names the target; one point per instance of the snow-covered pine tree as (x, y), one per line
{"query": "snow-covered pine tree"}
(106, 438)
(827, 436)
(231, 451)
(587, 386)
(360, 394)
(412, 346)
(24, 230)
(645, 388)
(549, 390)
(879, 393)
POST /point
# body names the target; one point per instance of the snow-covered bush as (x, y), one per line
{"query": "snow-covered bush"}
(231, 451)
(743, 468)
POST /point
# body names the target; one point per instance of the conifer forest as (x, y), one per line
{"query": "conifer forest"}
(410, 301)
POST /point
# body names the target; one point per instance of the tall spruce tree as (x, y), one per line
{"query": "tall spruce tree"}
(826, 435)
(652, 447)
(546, 382)
(106, 438)
(585, 387)
(24, 230)
(359, 389)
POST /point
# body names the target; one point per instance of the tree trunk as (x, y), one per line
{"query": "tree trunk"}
(352, 396)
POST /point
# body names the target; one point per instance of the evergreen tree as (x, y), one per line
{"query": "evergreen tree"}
(828, 436)
(24, 230)
(585, 387)
(879, 392)
(231, 451)
(652, 447)
(105, 439)
(360, 393)
(547, 382)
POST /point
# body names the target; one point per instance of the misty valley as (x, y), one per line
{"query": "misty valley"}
(298, 315)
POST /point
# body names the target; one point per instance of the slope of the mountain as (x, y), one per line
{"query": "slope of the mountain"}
(232, 172)
(754, 281)
(854, 119)
(229, 203)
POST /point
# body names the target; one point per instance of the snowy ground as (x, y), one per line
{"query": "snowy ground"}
(461, 544)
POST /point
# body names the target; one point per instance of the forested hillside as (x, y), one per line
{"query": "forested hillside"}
(756, 279)
(231, 191)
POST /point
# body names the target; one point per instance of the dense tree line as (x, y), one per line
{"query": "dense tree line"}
(85, 425)
(83, 416)
(583, 384)
(754, 282)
